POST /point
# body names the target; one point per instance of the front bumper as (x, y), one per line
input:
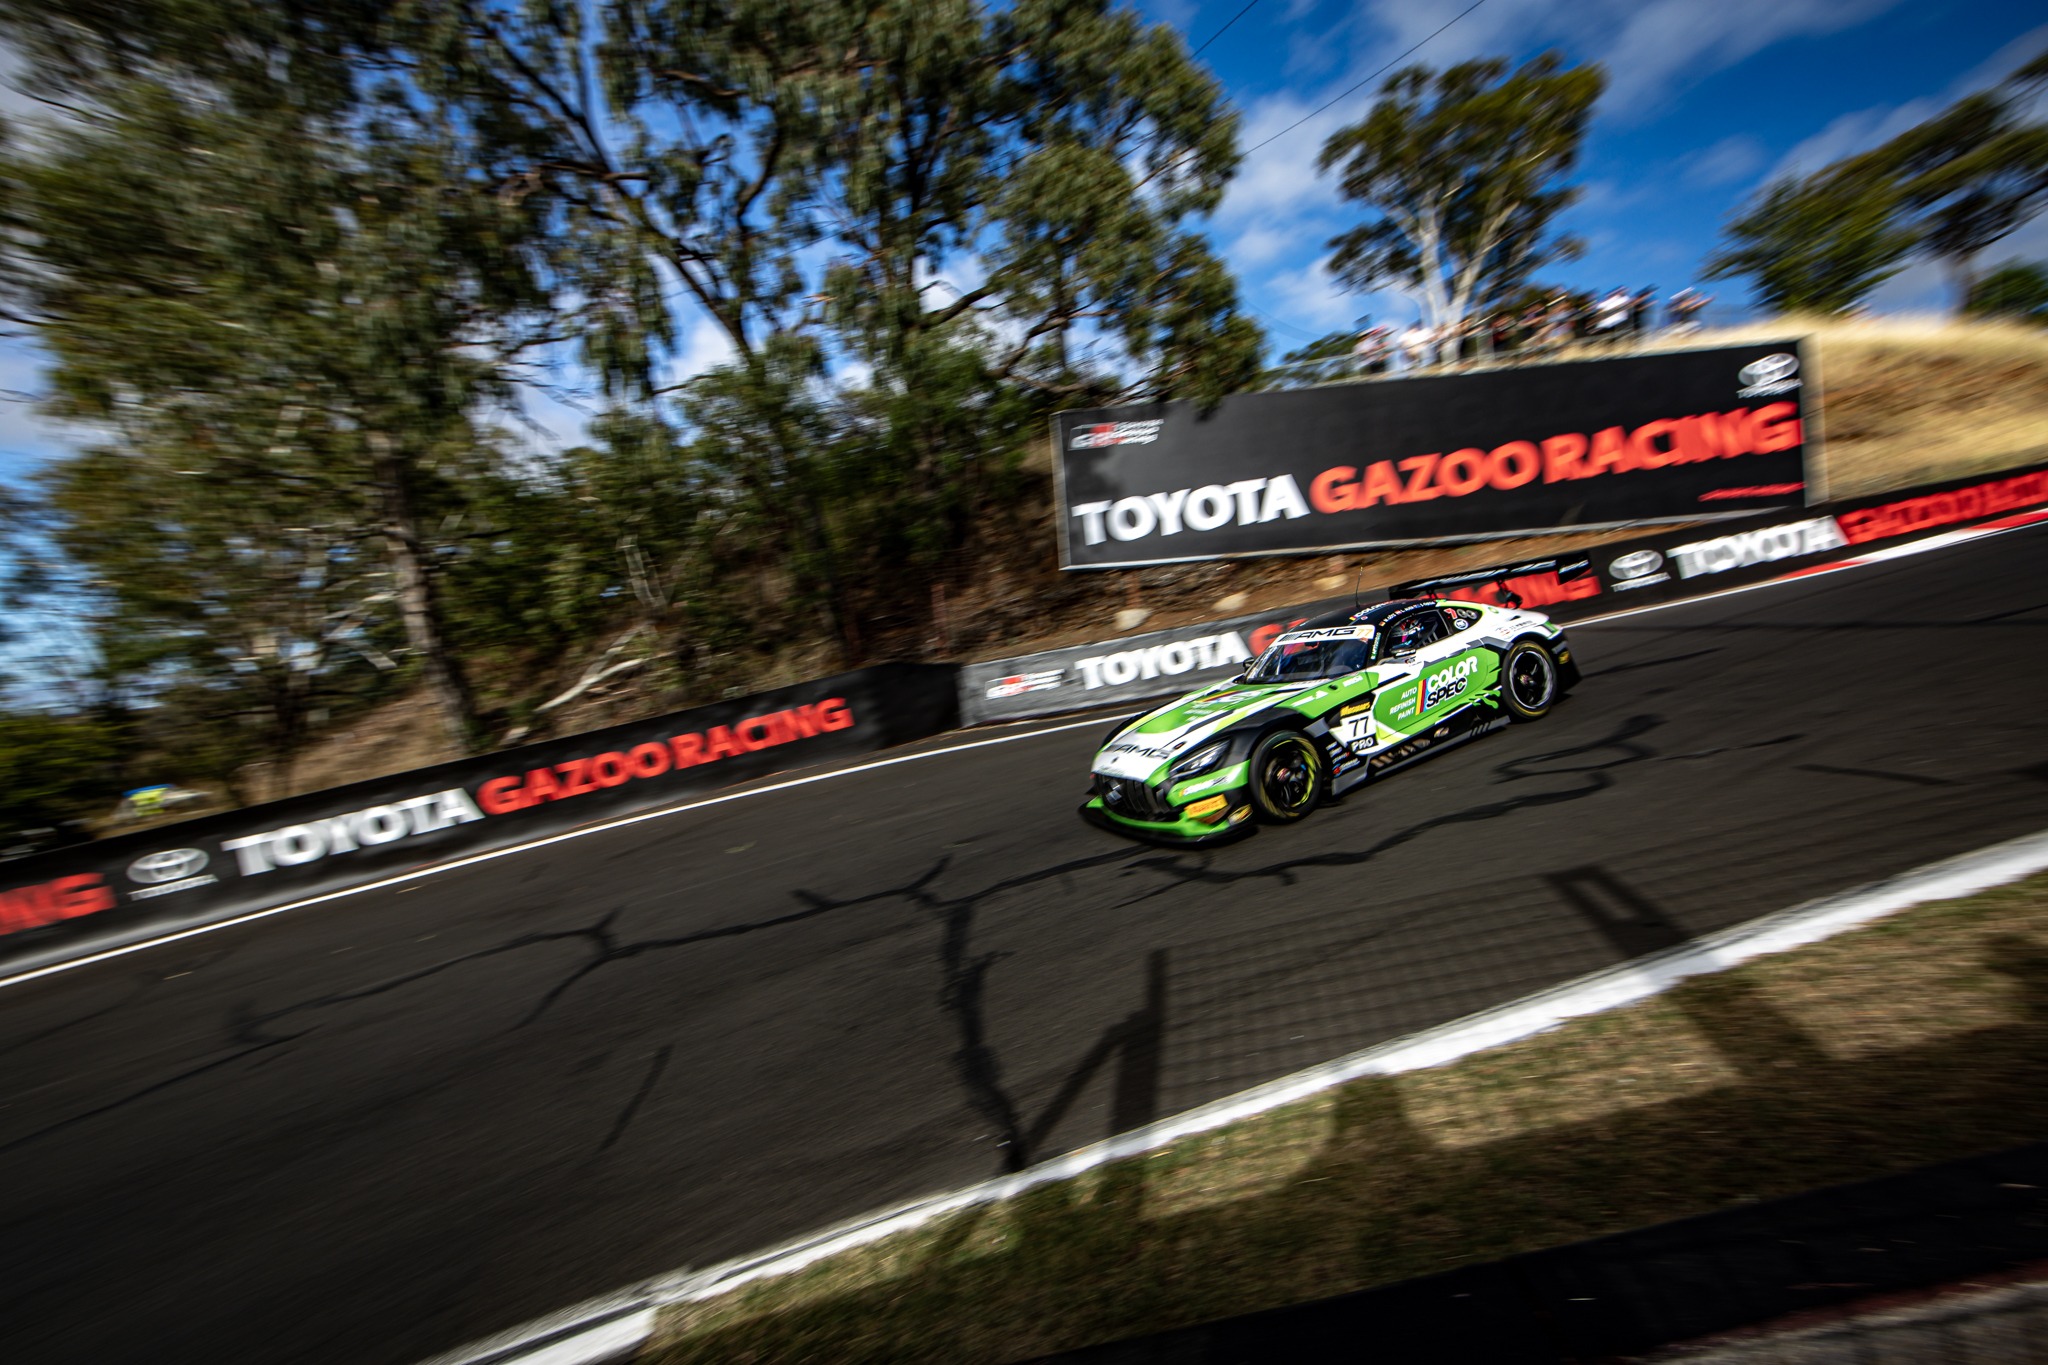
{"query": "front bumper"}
(1235, 824)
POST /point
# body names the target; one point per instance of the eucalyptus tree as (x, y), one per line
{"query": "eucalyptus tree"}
(1815, 245)
(282, 323)
(1944, 190)
(1463, 173)
(726, 154)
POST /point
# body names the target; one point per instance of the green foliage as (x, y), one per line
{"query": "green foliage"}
(53, 770)
(1944, 190)
(1815, 245)
(294, 282)
(2017, 290)
(1463, 171)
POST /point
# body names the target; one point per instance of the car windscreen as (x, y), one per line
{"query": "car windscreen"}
(1304, 656)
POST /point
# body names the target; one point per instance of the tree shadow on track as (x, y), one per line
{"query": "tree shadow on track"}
(1379, 1182)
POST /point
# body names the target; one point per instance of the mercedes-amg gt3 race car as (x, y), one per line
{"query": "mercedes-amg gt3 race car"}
(1336, 701)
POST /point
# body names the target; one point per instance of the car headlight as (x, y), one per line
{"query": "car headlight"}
(1200, 761)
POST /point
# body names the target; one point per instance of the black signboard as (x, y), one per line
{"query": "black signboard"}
(202, 871)
(1681, 436)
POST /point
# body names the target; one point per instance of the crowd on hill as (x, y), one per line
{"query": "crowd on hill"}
(1542, 326)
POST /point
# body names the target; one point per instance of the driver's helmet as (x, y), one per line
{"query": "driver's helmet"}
(1411, 633)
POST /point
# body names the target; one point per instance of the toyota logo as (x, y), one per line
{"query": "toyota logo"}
(1636, 565)
(169, 866)
(1770, 369)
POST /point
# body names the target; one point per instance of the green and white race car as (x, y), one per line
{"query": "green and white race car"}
(1334, 702)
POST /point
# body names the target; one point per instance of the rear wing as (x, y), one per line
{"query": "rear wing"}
(1562, 568)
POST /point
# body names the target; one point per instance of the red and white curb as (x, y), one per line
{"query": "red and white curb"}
(618, 1325)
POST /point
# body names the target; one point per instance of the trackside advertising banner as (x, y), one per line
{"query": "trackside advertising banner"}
(1703, 559)
(1683, 562)
(1682, 436)
(139, 885)
(1130, 669)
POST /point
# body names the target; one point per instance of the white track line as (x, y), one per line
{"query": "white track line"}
(1627, 984)
(1939, 541)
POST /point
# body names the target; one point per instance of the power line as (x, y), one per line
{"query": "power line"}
(1225, 29)
(1325, 105)
(1373, 77)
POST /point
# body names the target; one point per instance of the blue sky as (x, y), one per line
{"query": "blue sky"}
(1708, 99)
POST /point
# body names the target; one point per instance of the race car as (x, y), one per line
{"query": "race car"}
(1336, 701)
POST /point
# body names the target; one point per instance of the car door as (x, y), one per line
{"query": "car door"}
(1455, 671)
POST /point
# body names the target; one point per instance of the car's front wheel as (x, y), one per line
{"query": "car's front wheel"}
(1529, 682)
(1286, 777)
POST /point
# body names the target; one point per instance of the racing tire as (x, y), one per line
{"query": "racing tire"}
(1530, 683)
(1286, 777)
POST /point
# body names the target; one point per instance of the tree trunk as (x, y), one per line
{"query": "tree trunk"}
(419, 600)
(1962, 272)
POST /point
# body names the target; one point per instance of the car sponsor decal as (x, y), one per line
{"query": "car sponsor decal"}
(1440, 685)
(1323, 634)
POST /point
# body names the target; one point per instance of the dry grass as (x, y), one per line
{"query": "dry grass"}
(1911, 401)
(1919, 1039)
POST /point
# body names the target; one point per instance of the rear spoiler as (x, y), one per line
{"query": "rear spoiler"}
(1565, 567)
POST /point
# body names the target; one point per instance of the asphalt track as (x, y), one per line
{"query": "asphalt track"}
(378, 1127)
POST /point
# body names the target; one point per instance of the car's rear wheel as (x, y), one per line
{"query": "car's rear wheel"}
(1529, 681)
(1286, 777)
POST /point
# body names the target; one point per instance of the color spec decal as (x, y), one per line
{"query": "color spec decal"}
(1446, 683)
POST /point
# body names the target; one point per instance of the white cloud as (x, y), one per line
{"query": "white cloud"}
(1734, 158)
(1669, 44)
(1854, 132)
(1306, 303)
(1863, 129)
(1263, 243)
(1651, 51)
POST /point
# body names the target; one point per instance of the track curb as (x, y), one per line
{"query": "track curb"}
(617, 1324)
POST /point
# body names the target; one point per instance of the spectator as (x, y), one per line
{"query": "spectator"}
(1640, 309)
(1371, 350)
(1684, 310)
(1500, 334)
(1416, 346)
(1558, 327)
(1610, 315)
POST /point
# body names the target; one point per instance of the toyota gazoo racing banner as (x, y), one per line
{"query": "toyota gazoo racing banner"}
(226, 863)
(1684, 436)
(1685, 563)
